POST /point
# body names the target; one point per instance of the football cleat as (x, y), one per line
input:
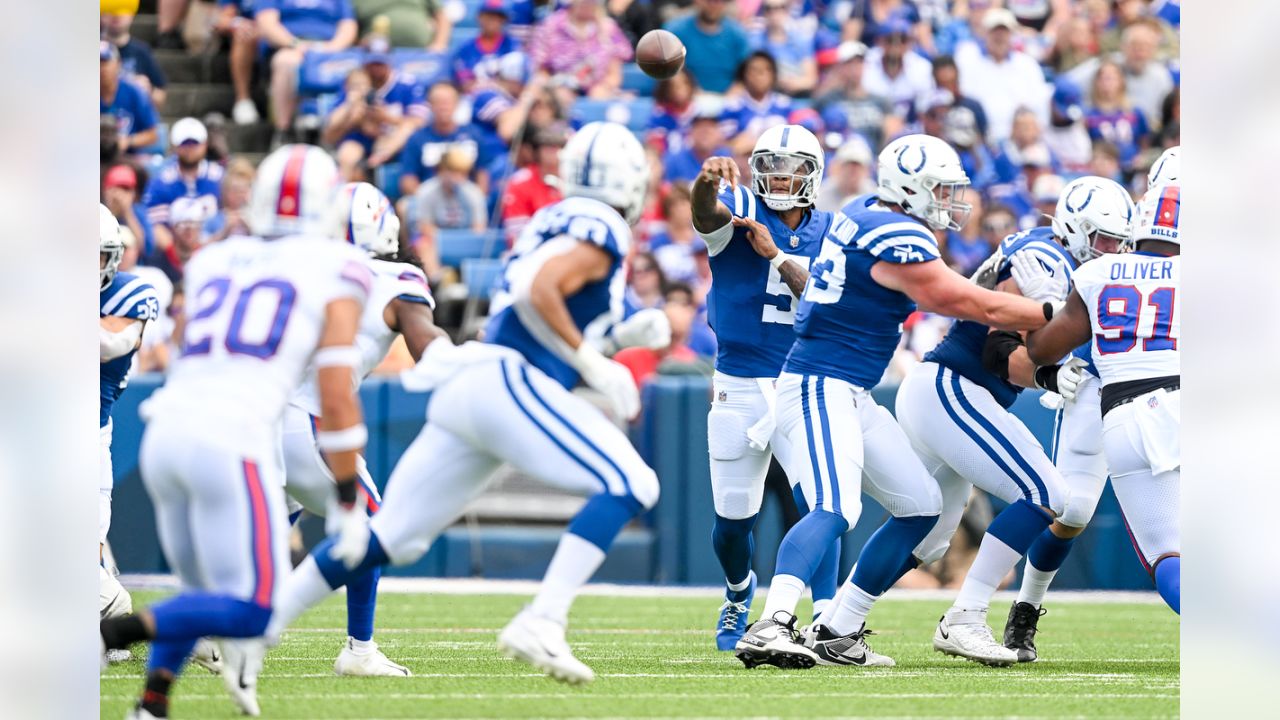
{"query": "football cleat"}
(241, 665)
(732, 624)
(774, 641)
(1020, 630)
(119, 656)
(207, 655)
(540, 642)
(851, 649)
(369, 662)
(140, 714)
(965, 633)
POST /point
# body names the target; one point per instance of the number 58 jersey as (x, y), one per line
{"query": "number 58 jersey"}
(1133, 306)
(254, 313)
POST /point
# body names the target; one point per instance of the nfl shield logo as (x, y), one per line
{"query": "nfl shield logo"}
(795, 241)
(1153, 402)
(722, 396)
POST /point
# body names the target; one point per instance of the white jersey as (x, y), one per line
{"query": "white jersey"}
(391, 281)
(254, 314)
(1135, 313)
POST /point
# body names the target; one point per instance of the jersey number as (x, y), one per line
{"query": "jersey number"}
(826, 280)
(1124, 316)
(248, 304)
(780, 308)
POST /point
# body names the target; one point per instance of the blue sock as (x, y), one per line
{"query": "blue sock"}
(734, 545)
(1168, 577)
(1019, 525)
(195, 615)
(911, 563)
(825, 578)
(805, 545)
(882, 559)
(603, 517)
(362, 600)
(1049, 551)
(170, 655)
(337, 574)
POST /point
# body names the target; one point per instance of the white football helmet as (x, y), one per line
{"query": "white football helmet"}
(604, 161)
(1088, 207)
(361, 216)
(110, 245)
(1165, 168)
(792, 154)
(1159, 216)
(293, 193)
(923, 174)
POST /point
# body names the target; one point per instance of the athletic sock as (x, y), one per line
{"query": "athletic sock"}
(169, 656)
(603, 517)
(1168, 577)
(740, 591)
(304, 587)
(734, 545)
(575, 561)
(362, 601)
(121, 632)
(191, 616)
(155, 697)
(784, 595)
(851, 613)
(887, 553)
(825, 581)
(1006, 540)
(1044, 559)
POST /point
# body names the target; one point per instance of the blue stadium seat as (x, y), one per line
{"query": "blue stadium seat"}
(479, 276)
(459, 245)
(461, 36)
(633, 113)
(325, 72)
(634, 80)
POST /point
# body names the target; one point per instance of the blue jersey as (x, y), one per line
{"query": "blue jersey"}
(426, 147)
(594, 307)
(1085, 353)
(848, 325)
(487, 106)
(126, 296)
(750, 308)
(168, 185)
(743, 113)
(400, 96)
(309, 19)
(961, 349)
(480, 57)
(132, 109)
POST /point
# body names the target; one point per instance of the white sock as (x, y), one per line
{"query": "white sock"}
(739, 587)
(575, 561)
(1035, 583)
(852, 610)
(820, 606)
(784, 595)
(995, 559)
(304, 587)
(824, 617)
(363, 647)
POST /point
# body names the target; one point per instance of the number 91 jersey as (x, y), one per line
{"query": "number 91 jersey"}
(1132, 301)
(255, 310)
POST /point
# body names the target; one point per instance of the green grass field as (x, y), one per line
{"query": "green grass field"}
(654, 657)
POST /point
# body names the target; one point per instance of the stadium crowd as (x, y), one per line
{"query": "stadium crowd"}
(457, 109)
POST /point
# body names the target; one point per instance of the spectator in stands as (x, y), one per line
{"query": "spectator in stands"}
(136, 60)
(705, 140)
(1075, 44)
(378, 109)
(676, 247)
(966, 248)
(678, 357)
(759, 106)
(1045, 192)
(235, 22)
(480, 55)
(715, 45)
(186, 219)
(791, 44)
(169, 14)
(120, 195)
(644, 284)
(1105, 161)
(135, 116)
(844, 93)
(428, 145)
(1066, 135)
(673, 109)
(652, 221)
(1131, 12)
(1026, 134)
(1111, 116)
(960, 128)
(534, 186)
(1043, 17)
(499, 105)
(1146, 79)
(422, 24)
(581, 49)
(448, 200)
(895, 72)
(848, 175)
(292, 29)
(1016, 194)
(868, 18)
(237, 182)
(185, 174)
(1171, 120)
(947, 76)
(999, 77)
(998, 222)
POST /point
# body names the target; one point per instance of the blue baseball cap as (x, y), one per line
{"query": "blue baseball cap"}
(378, 51)
(495, 7)
(895, 25)
(1067, 98)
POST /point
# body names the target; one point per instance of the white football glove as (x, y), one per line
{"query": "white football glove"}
(351, 528)
(612, 379)
(988, 273)
(1038, 282)
(1070, 375)
(648, 328)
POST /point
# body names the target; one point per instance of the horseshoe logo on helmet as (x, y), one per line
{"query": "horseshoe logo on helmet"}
(1087, 199)
(903, 168)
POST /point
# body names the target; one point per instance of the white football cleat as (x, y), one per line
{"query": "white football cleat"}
(775, 641)
(119, 656)
(540, 642)
(140, 714)
(207, 655)
(241, 665)
(369, 662)
(965, 633)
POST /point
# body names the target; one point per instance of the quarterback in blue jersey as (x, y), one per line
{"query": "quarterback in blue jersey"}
(878, 262)
(560, 289)
(752, 309)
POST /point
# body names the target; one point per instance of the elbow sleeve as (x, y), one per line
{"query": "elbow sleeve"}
(717, 239)
(112, 345)
(999, 346)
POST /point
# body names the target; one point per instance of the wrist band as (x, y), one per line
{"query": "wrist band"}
(352, 438)
(348, 492)
(1048, 311)
(335, 355)
(777, 260)
(1046, 377)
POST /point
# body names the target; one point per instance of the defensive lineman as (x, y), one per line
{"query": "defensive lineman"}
(261, 311)
(752, 308)
(878, 261)
(400, 303)
(954, 408)
(562, 285)
(1127, 307)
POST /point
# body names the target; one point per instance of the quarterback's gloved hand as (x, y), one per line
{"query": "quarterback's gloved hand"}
(612, 379)
(349, 524)
(988, 273)
(648, 328)
(1038, 281)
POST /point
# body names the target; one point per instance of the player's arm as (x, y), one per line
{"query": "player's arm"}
(414, 320)
(118, 336)
(710, 216)
(1068, 330)
(793, 273)
(939, 289)
(341, 434)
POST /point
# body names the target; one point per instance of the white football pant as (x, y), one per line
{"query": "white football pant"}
(738, 470)
(1145, 456)
(1077, 452)
(307, 478)
(106, 480)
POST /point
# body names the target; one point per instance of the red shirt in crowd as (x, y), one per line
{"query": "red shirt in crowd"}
(527, 193)
(643, 362)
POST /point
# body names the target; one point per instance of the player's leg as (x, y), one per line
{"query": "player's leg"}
(113, 599)
(825, 582)
(737, 488)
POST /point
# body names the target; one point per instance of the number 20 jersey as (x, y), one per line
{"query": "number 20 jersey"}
(1134, 308)
(255, 310)
(750, 308)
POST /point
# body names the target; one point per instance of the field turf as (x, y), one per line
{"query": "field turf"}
(654, 657)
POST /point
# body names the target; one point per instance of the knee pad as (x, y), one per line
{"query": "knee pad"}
(726, 434)
(1079, 511)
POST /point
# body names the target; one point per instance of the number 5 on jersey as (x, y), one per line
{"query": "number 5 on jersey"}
(781, 306)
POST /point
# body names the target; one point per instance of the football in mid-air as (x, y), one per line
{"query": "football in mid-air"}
(660, 54)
